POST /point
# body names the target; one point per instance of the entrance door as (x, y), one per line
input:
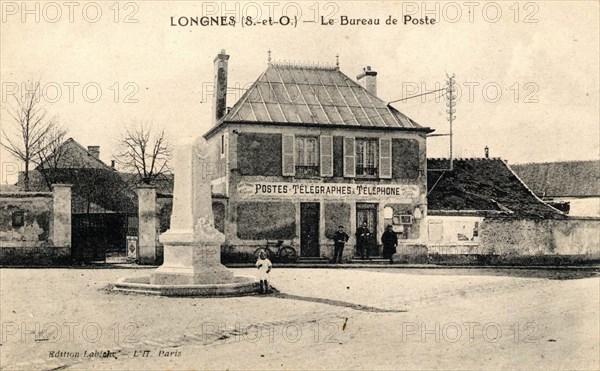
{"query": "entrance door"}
(309, 229)
(368, 213)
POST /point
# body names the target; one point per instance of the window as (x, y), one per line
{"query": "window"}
(307, 156)
(366, 157)
(18, 218)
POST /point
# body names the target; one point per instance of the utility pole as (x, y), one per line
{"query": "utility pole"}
(450, 110)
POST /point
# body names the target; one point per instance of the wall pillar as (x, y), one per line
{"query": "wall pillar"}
(61, 211)
(147, 231)
(350, 249)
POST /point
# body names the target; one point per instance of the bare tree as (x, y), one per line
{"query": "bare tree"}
(144, 152)
(26, 138)
(52, 153)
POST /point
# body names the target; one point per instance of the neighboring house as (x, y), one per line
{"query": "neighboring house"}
(477, 189)
(306, 149)
(96, 187)
(103, 205)
(575, 182)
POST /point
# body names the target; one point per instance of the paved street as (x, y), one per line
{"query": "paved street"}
(319, 319)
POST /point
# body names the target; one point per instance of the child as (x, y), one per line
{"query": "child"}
(264, 267)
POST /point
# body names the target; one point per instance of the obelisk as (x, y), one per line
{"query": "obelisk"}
(192, 245)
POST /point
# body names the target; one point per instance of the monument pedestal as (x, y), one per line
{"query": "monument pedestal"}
(191, 265)
(192, 246)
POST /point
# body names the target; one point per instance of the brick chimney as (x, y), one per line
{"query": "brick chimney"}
(220, 95)
(94, 151)
(368, 80)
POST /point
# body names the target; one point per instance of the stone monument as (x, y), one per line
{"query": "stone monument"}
(192, 245)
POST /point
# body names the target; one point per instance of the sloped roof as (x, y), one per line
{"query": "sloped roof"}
(555, 179)
(92, 180)
(317, 95)
(486, 186)
(73, 156)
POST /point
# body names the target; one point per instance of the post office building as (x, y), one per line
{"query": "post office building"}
(307, 149)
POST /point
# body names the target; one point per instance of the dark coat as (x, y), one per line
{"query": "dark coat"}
(389, 238)
(340, 238)
(362, 236)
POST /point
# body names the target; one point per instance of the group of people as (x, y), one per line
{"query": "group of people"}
(389, 239)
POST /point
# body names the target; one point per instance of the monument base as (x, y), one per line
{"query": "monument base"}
(192, 265)
(190, 270)
(240, 285)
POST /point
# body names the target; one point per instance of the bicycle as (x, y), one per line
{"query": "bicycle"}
(283, 254)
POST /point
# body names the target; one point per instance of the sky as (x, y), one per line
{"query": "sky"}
(527, 72)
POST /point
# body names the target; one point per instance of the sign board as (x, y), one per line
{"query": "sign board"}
(132, 242)
(328, 190)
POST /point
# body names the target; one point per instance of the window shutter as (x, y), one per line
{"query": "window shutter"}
(287, 148)
(349, 157)
(385, 158)
(326, 151)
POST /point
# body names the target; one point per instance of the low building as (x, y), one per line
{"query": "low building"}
(574, 184)
(307, 149)
(103, 206)
(482, 212)
(474, 190)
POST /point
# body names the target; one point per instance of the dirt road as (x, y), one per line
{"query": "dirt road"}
(321, 319)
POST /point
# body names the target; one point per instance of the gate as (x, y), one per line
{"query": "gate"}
(95, 235)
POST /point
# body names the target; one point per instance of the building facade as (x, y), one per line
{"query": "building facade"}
(307, 149)
(574, 183)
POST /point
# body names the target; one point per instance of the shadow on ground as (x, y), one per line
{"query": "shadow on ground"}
(337, 303)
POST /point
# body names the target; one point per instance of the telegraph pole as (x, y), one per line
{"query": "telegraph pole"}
(450, 110)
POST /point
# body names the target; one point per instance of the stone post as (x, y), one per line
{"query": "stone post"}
(147, 225)
(61, 211)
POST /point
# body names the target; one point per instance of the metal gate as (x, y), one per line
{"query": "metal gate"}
(95, 235)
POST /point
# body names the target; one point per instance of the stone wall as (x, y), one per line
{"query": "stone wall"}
(265, 220)
(35, 227)
(571, 237)
(453, 234)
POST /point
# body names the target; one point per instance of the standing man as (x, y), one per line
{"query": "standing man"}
(389, 239)
(362, 240)
(339, 239)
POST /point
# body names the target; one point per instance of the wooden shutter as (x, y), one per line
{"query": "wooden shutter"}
(326, 151)
(385, 158)
(349, 157)
(288, 166)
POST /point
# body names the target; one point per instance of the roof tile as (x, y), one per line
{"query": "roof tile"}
(313, 95)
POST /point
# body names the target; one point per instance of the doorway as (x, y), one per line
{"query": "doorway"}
(309, 229)
(367, 213)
